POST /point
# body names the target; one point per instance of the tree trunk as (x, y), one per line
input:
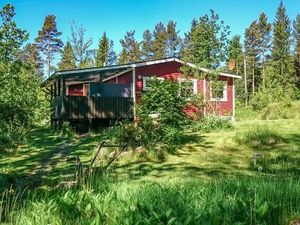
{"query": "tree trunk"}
(263, 72)
(253, 78)
(245, 80)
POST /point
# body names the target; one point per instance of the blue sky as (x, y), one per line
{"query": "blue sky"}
(118, 16)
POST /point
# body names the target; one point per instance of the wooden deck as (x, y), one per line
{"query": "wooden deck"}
(83, 107)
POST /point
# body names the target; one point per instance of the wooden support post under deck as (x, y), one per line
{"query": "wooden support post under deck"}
(59, 87)
(63, 86)
(55, 89)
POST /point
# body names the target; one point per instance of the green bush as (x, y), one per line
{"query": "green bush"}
(276, 111)
(263, 98)
(162, 101)
(259, 137)
(211, 123)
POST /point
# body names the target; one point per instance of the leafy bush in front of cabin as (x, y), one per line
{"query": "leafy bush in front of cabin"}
(161, 119)
(259, 138)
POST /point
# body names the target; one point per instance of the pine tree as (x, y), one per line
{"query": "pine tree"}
(130, 49)
(235, 52)
(159, 42)
(103, 51)
(112, 56)
(281, 55)
(30, 54)
(296, 34)
(185, 45)
(173, 42)
(48, 41)
(251, 44)
(147, 45)
(80, 45)
(265, 37)
(208, 42)
(67, 61)
(123, 57)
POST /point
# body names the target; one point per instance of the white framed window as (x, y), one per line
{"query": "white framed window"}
(188, 87)
(147, 79)
(218, 95)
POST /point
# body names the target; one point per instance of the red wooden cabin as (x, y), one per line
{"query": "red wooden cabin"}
(121, 84)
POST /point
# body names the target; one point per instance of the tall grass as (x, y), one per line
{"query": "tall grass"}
(234, 201)
(260, 137)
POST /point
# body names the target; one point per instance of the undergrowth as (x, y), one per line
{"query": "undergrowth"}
(232, 201)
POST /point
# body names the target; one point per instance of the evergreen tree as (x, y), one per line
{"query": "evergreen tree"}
(235, 52)
(123, 57)
(48, 41)
(281, 55)
(159, 42)
(112, 56)
(80, 45)
(185, 45)
(30, 54)
(130, 49)
(103, 51)
(251, 44)
(147, 45)
(67, 61)
(105, 54)
(265, 37)
(173, 42)
(208, 42)
(296, 34)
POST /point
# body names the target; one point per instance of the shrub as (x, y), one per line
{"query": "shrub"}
(259, 137)
(276, 111)
(263, 98)
(211, 123)
(163, 101)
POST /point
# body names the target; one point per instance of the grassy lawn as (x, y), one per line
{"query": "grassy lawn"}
(211, 179)
(217, 154)
(49, 158)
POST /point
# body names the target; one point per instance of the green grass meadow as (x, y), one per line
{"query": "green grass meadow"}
(210, 179)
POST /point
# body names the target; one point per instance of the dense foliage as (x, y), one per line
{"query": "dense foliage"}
(19, 82)
(161, 117)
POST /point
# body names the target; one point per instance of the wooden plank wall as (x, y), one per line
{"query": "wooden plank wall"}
(85, 107)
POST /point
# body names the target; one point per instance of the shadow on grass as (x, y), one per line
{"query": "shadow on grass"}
(46, 159)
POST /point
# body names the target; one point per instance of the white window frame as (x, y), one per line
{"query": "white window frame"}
(145, 78)
(225, 90)
(195, 85)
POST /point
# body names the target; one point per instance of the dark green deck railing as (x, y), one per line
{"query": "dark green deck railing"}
(85, 107)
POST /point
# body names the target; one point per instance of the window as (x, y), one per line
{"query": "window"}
(147, 80)
(218, 91)
(188, 87)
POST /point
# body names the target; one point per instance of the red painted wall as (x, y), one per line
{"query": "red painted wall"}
(75, 90)
(171, 70)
